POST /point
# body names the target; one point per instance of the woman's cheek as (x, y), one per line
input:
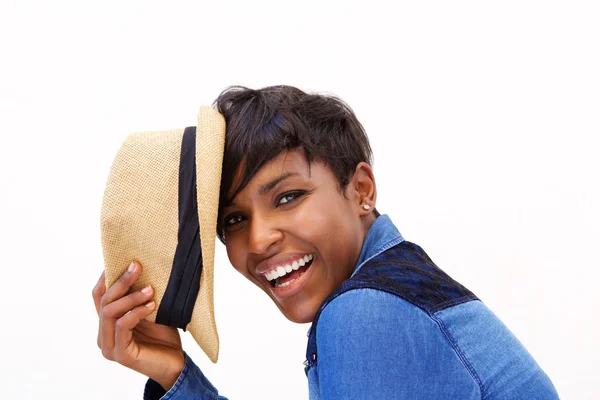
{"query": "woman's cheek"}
(310, 223)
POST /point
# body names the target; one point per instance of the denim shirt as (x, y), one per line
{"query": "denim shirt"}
(375, 344)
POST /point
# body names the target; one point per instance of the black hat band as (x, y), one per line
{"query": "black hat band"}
(182, 290)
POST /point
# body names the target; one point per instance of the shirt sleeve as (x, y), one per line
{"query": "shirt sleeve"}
(375, 345)
(191, 384)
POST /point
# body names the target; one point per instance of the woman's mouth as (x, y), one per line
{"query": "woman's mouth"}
(284, 278)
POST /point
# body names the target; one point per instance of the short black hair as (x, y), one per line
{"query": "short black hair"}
(262, 123)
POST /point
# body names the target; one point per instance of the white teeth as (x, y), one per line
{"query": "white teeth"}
(284, 284)
(283, 270)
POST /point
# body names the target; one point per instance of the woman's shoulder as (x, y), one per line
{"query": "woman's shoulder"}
(373, 334)
(365, 307)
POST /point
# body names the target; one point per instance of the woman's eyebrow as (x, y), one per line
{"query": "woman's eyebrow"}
(264, 189)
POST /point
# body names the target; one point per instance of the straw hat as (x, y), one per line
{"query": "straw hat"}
(160, 208)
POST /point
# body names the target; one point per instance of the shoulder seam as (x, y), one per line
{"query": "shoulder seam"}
(380, 290)
(459, 353)
(368, 288)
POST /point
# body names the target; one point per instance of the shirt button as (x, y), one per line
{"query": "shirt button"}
(314, 356)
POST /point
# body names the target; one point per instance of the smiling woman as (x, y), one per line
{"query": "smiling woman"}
(296, 174)
(297, 216)
(304, 215)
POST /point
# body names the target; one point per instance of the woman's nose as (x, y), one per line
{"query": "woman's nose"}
(263, 235)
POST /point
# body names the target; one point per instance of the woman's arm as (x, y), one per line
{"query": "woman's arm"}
(374, 345)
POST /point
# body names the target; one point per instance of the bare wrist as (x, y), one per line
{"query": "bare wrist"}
(170, 373)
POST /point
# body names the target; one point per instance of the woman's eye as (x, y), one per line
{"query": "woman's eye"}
(234, 219)
(288, 197)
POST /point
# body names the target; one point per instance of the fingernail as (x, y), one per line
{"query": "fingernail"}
(146, 290)
(131, 267)
(150, 305)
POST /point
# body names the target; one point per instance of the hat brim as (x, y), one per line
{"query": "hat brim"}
(139, 218)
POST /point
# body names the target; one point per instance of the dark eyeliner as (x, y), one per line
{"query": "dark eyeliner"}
(296, 193)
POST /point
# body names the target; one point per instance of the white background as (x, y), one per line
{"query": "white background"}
(484, 119)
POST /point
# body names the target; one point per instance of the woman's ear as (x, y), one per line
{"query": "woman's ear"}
(363, 184)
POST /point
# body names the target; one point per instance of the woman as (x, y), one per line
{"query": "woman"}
(298, 218)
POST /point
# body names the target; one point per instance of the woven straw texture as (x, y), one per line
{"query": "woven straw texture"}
(139, 217)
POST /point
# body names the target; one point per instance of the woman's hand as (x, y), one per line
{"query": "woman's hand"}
(126, 337)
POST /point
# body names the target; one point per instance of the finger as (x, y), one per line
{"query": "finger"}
(98, 292)
(122, 306)
(115, 310)
(122, 285)
(108, 319)
(124, 331)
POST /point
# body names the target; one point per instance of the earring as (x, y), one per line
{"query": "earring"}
(366, 207)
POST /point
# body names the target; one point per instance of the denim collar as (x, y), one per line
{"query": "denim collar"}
(382, 235)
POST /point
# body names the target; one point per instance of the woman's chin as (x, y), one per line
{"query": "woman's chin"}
(298, 313)
(300, 318)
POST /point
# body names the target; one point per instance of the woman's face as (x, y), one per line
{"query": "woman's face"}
(293, 233)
